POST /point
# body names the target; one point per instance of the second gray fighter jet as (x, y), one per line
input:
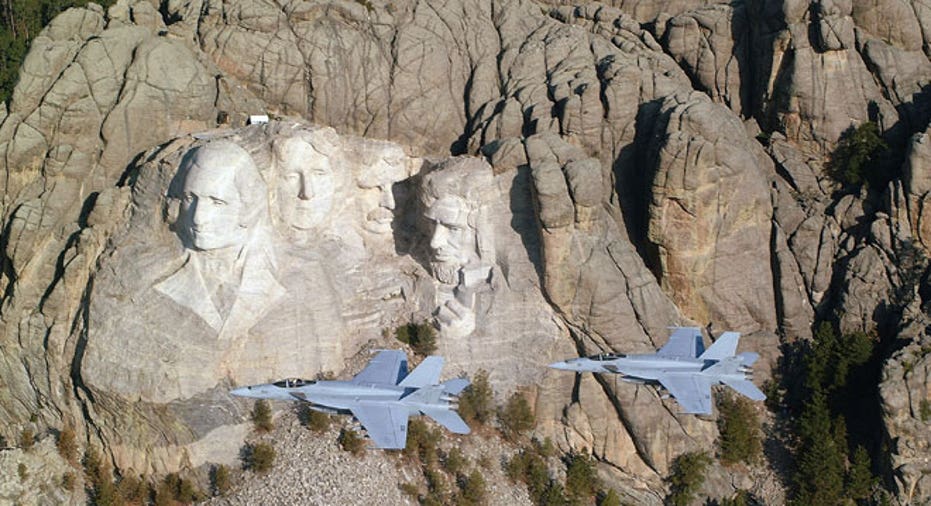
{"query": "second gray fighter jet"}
(682, 366)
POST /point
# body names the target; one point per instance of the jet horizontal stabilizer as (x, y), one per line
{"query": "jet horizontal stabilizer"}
(449, 419)
(745, 388)
(455, 386)
(748, 358)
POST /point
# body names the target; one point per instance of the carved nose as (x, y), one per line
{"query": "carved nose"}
(197, 213)
(306, 191)
(387, 198)
(439, 237)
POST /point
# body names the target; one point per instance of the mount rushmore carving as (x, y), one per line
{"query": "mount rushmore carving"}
(282, 249)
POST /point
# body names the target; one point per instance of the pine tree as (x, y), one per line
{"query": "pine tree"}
(262, 416)
(222, 483)
(819, 477)
(740, 439)
(686, 477)
(860, 479)
(610, 498)
(476, 404)
(581, 478)
(516, 417)
(472, 489)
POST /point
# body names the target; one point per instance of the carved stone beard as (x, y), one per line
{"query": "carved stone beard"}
(445, 272)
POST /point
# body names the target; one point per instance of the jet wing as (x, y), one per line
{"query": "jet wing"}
(692, 391)
(387, 426)
(389, 366)
(685, 342)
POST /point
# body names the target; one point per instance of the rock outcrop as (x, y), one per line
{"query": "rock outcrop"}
(906, 403)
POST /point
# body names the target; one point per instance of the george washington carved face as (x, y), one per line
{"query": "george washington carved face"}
(221, 196)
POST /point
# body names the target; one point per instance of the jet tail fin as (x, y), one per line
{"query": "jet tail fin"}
(449, 419)
(426, 374)
(724, 347)
(745, 388)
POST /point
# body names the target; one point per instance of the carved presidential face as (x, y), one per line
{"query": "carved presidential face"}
(305, 184)
(212, 208)
(376, 200)
(452, 240)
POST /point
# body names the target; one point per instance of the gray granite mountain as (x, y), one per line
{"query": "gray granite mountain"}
(619, 186)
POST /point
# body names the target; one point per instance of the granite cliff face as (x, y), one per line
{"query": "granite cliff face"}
(614, 181)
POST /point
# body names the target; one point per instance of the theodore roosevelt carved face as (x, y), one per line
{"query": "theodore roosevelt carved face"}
(376, 199)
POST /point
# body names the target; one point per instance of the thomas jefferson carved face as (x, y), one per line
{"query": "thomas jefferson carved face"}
(219, 201)
(304, 184)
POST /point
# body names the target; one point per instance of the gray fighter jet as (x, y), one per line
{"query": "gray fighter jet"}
(382, 397)
(682, 366)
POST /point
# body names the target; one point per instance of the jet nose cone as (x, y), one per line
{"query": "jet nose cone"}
(565, 365)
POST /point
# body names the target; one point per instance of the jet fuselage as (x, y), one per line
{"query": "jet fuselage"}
(643, 367)
(337, 395)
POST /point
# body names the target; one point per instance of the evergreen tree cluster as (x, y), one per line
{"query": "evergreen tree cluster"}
(351, 441)
(740, 438)
(448, 475)
(686, 477)
(20, 22)
(105, 489)
(529, 467)
(477, 401)
(420, 336)
(582, 485)
(260, 457)
(312, 419)
(826, 472)
(221, 480)
(516, 417)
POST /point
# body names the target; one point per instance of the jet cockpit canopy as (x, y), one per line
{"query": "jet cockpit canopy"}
(601, 357)
(293, 383)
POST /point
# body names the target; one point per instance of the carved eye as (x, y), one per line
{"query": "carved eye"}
(217, 202)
